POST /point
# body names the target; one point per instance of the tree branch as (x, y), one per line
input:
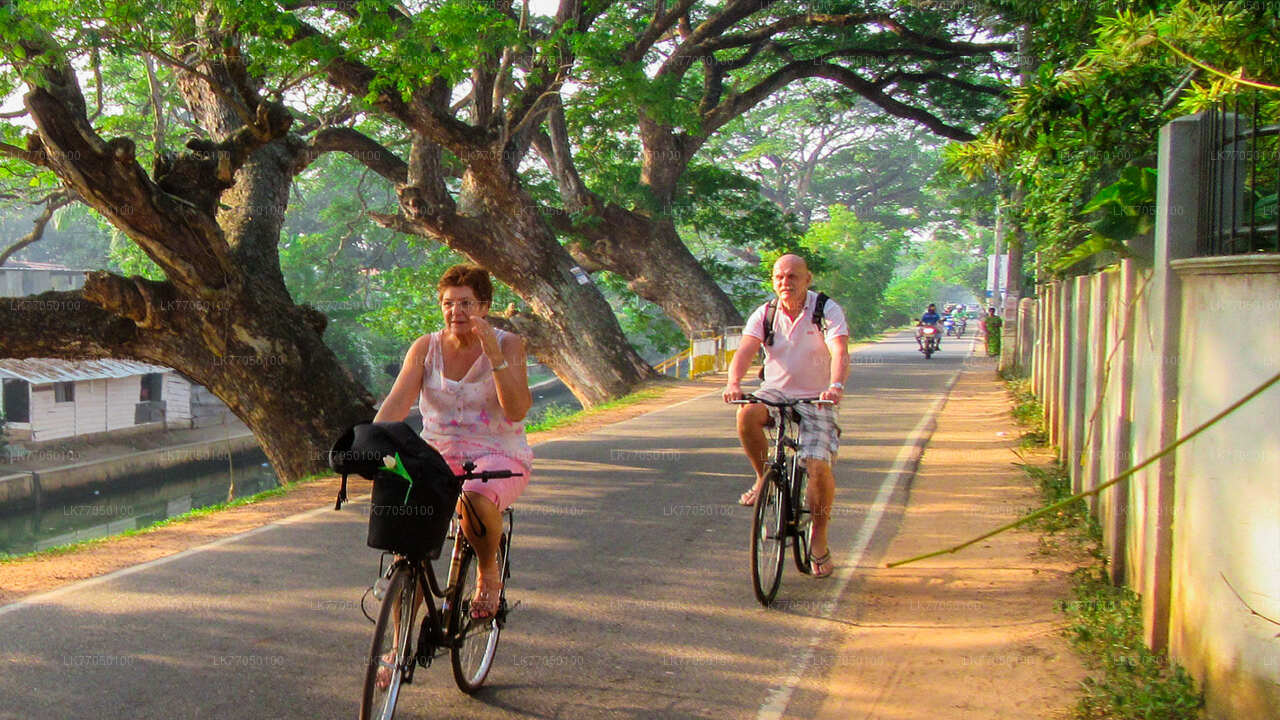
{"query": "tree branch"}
(359, 146)
(52, 203)
(658, 27)
(734, 10)
(868, 90)
(894, 77)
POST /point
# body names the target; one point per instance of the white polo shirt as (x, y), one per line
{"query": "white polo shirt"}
(799, 363)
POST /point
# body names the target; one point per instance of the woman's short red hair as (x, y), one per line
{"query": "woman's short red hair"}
(467, 275)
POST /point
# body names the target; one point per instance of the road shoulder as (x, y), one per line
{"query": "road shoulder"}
(976, 634)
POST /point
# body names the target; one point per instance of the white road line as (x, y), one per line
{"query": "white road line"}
(43, 597)
(775, 705)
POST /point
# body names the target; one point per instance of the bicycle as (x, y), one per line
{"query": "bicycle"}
(782, 510)
(409, 583)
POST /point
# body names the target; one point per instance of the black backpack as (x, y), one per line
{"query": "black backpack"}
(771, 312)
(413, 500)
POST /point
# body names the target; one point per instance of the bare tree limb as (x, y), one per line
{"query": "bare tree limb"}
(52, 204)
(1247, 605)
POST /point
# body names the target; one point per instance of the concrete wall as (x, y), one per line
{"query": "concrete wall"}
(1129, 360)
(1226, 504)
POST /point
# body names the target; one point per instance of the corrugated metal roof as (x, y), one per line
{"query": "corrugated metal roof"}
(12, 264)
(48, 370)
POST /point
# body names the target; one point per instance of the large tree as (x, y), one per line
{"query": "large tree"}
(210, 218)
(666, 78)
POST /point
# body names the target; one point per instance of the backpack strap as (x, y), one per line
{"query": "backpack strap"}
(770, 312)
(818, 309)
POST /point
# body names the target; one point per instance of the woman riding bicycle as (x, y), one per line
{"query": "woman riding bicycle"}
(470, 383)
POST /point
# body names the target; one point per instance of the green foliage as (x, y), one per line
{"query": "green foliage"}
(1127, 203)
(550, 417)
(128, 259)
(653, 334)
(1135, 683)
(860, 261)
(1028, 412)
(1081, 130)
(809, 151)
(950, 264)
(1122, 211)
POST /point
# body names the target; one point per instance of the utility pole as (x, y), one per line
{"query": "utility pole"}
(996, 302)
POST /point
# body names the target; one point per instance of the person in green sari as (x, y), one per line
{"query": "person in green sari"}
(993, 324)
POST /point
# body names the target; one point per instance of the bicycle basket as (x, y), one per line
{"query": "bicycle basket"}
(413, 498)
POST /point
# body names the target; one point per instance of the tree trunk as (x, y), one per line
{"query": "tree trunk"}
(659, 268)
(572, 328)
(644, 249)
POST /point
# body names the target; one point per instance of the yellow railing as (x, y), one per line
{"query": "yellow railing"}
(707, 352)
(673, 361)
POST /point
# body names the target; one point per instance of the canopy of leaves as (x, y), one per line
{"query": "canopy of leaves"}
(1081, 129)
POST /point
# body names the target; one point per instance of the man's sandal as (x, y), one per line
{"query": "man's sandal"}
(821, 567)
(748, 498)
(385, 667)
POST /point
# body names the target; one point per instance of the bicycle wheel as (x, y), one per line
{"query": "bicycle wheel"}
(390, 654)
(768, 541)
(802, 516)
(475, 642)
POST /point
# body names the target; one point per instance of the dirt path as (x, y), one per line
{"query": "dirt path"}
(44, 572)
(977, 634)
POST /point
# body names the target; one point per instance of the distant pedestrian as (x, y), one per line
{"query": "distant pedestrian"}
(992, 329)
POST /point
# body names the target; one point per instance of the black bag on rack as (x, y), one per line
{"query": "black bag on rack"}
(414, 491)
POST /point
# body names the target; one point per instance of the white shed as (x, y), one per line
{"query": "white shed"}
(46, 399)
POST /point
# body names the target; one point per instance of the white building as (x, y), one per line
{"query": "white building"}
(46, 399)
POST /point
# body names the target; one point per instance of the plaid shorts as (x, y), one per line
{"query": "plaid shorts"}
(819, 433)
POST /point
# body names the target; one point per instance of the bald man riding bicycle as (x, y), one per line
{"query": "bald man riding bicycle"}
(802, 361)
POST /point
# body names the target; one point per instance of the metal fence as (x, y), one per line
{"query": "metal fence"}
(1240, 177)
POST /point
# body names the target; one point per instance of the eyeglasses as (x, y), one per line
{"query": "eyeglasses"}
(463, 304)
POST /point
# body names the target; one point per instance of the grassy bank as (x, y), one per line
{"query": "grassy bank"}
(1104, 622)
(555, 417)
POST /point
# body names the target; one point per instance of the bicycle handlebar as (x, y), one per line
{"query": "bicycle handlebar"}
(752, 399)
(468, 471)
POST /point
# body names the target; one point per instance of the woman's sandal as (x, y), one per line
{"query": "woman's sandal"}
(821, 567)
(748, 498)
(484, 604)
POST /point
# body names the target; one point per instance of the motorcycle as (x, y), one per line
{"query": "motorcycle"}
(930, 341)
(950, 325)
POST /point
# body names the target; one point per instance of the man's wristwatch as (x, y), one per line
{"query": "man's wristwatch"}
(837, 385)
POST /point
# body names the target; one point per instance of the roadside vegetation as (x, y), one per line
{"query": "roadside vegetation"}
(557, 417)
(1104, 622)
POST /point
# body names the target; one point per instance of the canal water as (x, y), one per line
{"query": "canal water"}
(138, 501)
(133, 502)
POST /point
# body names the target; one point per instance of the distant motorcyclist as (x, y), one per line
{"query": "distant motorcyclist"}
(930, 317)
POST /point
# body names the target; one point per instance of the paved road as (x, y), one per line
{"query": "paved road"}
(631, 569)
